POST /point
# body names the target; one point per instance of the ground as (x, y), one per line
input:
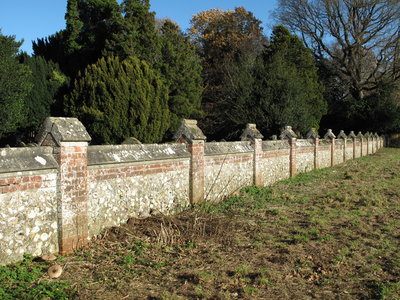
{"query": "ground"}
(329, 234)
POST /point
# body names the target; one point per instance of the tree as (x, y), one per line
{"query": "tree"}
(135, 33)
(89, 24)
(286, 90)
(181, 68)
(359, 38)
(14, 86)
(46, 79)
(228, 43)
(118, 99)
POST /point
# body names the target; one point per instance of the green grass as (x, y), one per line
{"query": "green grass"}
(27, 280)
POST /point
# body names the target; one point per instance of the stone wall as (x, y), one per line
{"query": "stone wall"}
(136, 181)
(228, 167)
(55, 197)
(349, 149)
(339, 152)
(275, 162)
(324, 154)
(28, 202)
(305, 155)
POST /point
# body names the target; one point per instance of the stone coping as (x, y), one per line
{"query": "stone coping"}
(112, 154)
(275, 145)
(26, 159)
(305, 143)
(221, 148)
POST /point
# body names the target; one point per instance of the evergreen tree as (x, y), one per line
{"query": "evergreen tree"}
(287, 90)
(135, 33)
(181, 69)
(89, 24)
(14, 86)
(47, 79)
(118, 99)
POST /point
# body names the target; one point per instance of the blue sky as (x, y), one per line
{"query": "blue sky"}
(32, 19)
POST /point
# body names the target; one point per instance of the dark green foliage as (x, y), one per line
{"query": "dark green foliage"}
(118, 99)
(378, 111)
(181, 69)
(14, 86)
(135, 33)
(228, 43)
(53, 48)
(286, 89)
(74, 26)
(89, 24)
(46, 79)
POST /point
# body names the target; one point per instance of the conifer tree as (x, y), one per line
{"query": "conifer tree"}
(14, 86)
(47, 79)
(287, 90)
(135, 33)
(118, 99)
(181, 68)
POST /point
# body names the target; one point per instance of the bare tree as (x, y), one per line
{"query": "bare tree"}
(359, 38)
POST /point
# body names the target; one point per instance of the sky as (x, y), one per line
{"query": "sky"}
(33, 19)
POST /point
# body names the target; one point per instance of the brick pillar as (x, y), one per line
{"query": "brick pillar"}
(313, 134)
(329, 135)
(293, 161)
(353, 138)
(192, 135)
(361, 137)
(251, 134)
(69, 139)
(196, 176)
(316, 151)
(288, 134)
(343, 136)
(368, 149)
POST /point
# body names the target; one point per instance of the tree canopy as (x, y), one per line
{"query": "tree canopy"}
(181, 68)
(360, 39)
(14, 86)
(287, 90)
(228, 43)
(46, 79)
(119, 99)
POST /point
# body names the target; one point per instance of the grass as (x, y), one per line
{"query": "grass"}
(28, 280)
(329, 234)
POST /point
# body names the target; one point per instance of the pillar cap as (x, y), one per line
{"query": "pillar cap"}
(189, 131)
(342, 135)
(57, 130)
(287, 133)
(251, 133)
(329, 135)
(312, 134)
(360, 135)
(352, 135)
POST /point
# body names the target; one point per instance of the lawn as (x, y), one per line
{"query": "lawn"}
(329, 234)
